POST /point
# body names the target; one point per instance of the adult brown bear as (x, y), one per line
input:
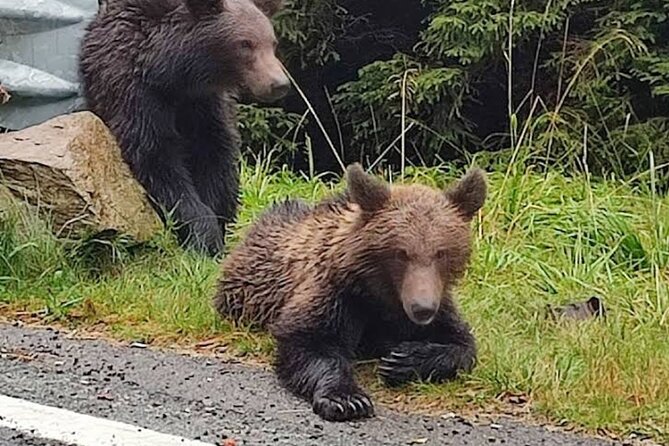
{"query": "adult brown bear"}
(165, 75)
(367, 274)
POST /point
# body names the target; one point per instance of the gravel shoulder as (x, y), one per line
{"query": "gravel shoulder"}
(209, 399)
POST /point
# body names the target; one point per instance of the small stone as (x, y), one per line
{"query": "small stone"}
(105, 395)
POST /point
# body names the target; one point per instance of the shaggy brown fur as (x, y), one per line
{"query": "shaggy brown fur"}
(369, 273)
(165, 76)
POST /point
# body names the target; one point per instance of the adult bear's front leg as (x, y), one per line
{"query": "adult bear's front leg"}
(438, 353)
(211, 126)
(322, 373)
(154, 150)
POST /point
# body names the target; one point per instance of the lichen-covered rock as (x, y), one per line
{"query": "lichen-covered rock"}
(71, 169)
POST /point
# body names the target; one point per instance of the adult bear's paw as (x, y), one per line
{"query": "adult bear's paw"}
(206, 236)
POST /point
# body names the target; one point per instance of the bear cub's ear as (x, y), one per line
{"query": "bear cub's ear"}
(269, 7)
(367, 191)
(469, 193)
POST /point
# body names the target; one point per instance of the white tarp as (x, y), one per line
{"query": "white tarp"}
(39, 47)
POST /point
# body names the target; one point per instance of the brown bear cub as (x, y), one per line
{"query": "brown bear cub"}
(367, 274)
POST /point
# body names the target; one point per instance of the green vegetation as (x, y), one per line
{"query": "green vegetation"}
(465, 75)
(542, 239)
(564, 102)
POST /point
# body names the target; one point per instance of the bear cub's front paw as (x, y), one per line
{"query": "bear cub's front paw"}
(342, 406)
(412, 361)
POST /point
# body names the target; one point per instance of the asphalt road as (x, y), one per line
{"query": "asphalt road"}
(209, 400)
(10, 437)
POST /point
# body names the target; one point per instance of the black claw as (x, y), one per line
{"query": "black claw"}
(343, 407)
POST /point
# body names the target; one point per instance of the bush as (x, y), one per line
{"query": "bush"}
(580, 70)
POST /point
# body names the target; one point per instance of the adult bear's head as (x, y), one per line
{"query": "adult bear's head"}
(239, 38)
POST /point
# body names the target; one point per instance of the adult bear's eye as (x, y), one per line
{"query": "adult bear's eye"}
(247, 44)
(442, 254)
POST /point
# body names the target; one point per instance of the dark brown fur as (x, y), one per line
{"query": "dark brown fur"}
(165, 75)
(369, 273)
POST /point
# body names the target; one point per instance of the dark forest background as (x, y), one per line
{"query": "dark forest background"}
(589, 81)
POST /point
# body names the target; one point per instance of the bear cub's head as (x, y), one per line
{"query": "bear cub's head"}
(242, 45)
(415, 239)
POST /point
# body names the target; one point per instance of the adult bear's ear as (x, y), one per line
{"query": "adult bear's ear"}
(469, 193)
(269, 7)
(204, 8)
(368, 192)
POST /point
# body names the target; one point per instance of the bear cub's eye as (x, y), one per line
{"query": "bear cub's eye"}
(401, 255)
(442, 253)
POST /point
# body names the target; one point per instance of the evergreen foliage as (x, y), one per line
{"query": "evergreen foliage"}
(589, 80)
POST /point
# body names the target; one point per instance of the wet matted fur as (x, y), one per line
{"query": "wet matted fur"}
(369, 273)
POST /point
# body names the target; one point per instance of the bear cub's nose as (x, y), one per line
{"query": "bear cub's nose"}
(423, 314)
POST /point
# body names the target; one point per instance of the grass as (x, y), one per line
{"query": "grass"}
(541, 239)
